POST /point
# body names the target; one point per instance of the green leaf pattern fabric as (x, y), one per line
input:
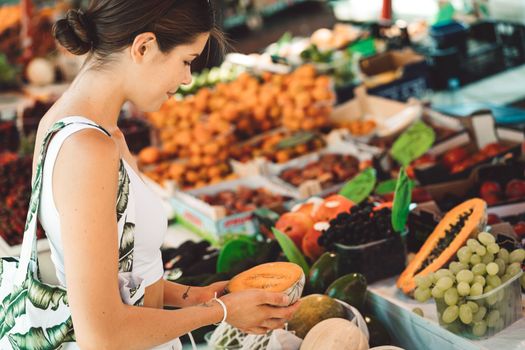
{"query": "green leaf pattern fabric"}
(36, 315)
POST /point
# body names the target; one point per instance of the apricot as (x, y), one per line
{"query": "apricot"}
(310, 245)
(333, 206)
(149, 155)
(282, 156)
(295, 225)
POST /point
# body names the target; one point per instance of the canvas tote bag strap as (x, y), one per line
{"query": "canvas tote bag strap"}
(29, 254)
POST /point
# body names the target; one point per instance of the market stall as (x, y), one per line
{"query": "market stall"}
(376, 166)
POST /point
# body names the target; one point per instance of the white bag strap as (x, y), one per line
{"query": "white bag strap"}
(29, 254)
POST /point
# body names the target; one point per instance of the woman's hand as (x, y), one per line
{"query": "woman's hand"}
(256, 311)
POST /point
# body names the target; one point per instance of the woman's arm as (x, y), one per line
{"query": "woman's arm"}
(179, 295)
(85, 188)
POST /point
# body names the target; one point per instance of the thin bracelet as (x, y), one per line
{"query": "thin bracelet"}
(225, 311)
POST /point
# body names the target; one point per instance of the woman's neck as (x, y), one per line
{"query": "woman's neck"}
(97, 95)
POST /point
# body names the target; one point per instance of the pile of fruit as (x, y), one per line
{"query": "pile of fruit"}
(244, 199)
(363, 224)
(359, 127)
(300, 100)
(492, 192)
(211, 77)
(9, 138)
(481, 267)
(278, 147)
(459, 159)
(31, 115)
(186, 175)
(321, 321)
(305, 223)
(204, 128)
(329, 170)
(205, 159)
(15, 192)
(137, 133)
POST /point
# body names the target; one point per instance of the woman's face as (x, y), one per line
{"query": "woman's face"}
(156, 76)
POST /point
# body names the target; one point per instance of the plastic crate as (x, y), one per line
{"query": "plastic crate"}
(504, 303)
(452, 34)
(483, 60)
(512, 39)
(363, 258)
(403, 89)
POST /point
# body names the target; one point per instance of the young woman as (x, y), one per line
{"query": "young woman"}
(139, 51)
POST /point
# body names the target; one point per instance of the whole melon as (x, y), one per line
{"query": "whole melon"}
(314, 309)
(335, 334)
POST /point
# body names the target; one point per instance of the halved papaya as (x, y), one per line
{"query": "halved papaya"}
(452, 232)
(282, 277)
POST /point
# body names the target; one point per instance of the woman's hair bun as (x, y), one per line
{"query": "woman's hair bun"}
(75, 32)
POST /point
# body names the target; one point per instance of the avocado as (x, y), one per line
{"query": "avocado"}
(378, 334)
(350, 288)
(323, 272)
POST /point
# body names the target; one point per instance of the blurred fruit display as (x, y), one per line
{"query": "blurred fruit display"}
(15, 192)
(244, 199)
(201, 130)
(10, 31)
(329, 170)
(459, 159)
(9, 137)
(279, 147)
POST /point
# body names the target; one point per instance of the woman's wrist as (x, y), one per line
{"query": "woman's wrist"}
(214, 310)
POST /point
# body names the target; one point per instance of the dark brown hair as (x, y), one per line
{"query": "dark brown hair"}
(109, 26)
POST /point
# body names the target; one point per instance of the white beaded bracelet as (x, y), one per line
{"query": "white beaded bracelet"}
(225, 311)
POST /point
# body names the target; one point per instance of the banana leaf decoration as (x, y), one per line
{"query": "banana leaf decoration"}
(36, 338)
(123, 191)
(127, 246)
(61, 333)
(13, 306)
(42, 295)
(46, 297)
(33, 204)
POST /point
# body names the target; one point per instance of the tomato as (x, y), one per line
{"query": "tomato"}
(519, 228)
(493, 149)
(493, 219)
(490, 188)
(454, 156)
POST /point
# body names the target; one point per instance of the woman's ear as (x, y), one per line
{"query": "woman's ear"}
(143, 45)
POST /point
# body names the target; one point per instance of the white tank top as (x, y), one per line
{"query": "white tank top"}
(150, 222)
(149, 217)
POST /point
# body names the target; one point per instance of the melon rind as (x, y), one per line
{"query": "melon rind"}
(294, 291)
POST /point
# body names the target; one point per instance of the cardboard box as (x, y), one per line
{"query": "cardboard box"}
(469, 188)
(256, 165)
(391, 117)
(212, 222)
(481, 132)
(314, 187)
(399, 74)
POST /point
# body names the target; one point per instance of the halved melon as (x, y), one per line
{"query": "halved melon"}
(452, 232)
(284, 277)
